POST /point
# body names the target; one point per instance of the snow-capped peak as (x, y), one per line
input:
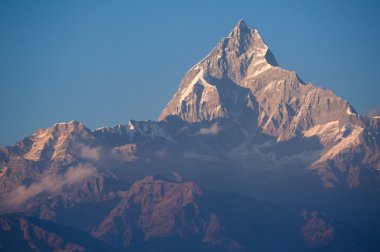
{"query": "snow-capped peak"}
(240, 27)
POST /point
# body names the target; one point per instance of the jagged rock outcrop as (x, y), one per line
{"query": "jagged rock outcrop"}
(153, 209)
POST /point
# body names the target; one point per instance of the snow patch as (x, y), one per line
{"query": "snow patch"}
(270, 85)
(198, 79)
(261, 70)
(325, 132)
(349, 111)
(190, 87)
(348, 142)
(131, 126)
(41, 140)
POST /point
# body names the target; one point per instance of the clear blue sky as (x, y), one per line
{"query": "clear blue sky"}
(105, 62)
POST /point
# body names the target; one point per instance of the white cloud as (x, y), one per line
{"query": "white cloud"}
(213, 130)
(49, 183)
(89, 153)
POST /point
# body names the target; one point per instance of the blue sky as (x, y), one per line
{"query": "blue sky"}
(105, 62)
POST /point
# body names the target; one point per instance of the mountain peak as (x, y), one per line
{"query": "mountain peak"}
(241, 25)
(210, 89)
(54, 141)
(241, 22)
(244, 38)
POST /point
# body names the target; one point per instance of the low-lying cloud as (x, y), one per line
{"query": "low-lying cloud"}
(50, 184)
(213, 130)
(89, 153)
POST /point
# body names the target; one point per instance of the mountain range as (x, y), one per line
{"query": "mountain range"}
(246, 156)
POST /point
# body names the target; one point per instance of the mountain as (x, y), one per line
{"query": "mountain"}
(157, 214)
(241, 80)
(246, 156)
(241, 75)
